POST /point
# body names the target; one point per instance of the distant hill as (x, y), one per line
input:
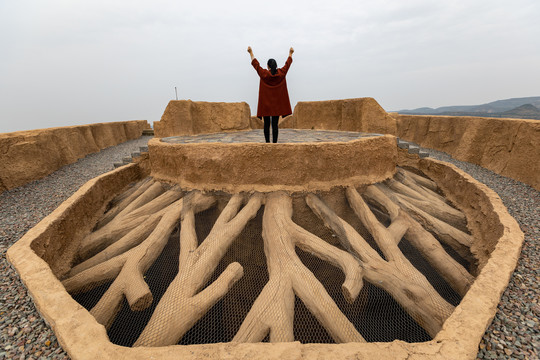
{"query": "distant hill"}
(523, 108)
(527, 111)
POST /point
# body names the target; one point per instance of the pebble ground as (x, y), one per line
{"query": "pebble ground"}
(513, 334)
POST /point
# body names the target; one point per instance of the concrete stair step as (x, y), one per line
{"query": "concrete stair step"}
(423, 154)
(412, 148)
(127, 160)
(403, 144)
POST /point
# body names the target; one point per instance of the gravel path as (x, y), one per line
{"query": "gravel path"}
(514, 332)
(23, 333)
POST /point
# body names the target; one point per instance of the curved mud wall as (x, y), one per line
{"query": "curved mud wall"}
(59, 251)
(506, 146)
(186, 117)
(362, 114)
(30, 155)
(509, 147)
(263, 167)
(497, 246)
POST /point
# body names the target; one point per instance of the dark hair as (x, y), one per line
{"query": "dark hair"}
(272, 64)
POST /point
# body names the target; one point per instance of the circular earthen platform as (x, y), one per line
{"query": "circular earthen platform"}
(302, 160)
(257, 136)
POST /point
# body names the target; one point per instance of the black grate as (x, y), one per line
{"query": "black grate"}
(375, 314)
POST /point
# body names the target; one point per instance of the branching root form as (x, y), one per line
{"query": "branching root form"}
(131, 235)
(273, 310)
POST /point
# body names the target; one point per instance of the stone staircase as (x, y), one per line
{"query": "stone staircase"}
(142, 150)
(412, 148)
(127, 160)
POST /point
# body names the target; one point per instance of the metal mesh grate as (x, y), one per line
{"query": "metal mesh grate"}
(375, 314)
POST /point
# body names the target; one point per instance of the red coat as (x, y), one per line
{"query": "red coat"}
(273, 94)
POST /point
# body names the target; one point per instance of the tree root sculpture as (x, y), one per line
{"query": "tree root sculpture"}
(428, 209)
(128, 269)
(273, 311)
(149, 202)
(451, 271)
(121, 201)
(396, 274)
(131, 235)
(183, 303)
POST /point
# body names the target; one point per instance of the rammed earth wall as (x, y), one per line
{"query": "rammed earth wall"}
(506, 146)
(30, 155)
(362, 114)
(186, 117)
(509, 147)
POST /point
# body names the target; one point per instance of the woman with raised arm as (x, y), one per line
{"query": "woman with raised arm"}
(273, 94)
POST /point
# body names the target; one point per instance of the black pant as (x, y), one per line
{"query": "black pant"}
(275, 120)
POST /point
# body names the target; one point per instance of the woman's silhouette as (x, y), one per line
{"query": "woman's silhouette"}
(273, 94)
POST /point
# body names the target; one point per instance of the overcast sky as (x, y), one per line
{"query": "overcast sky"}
(68, 62)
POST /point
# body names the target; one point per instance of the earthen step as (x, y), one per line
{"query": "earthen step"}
(148, 132)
